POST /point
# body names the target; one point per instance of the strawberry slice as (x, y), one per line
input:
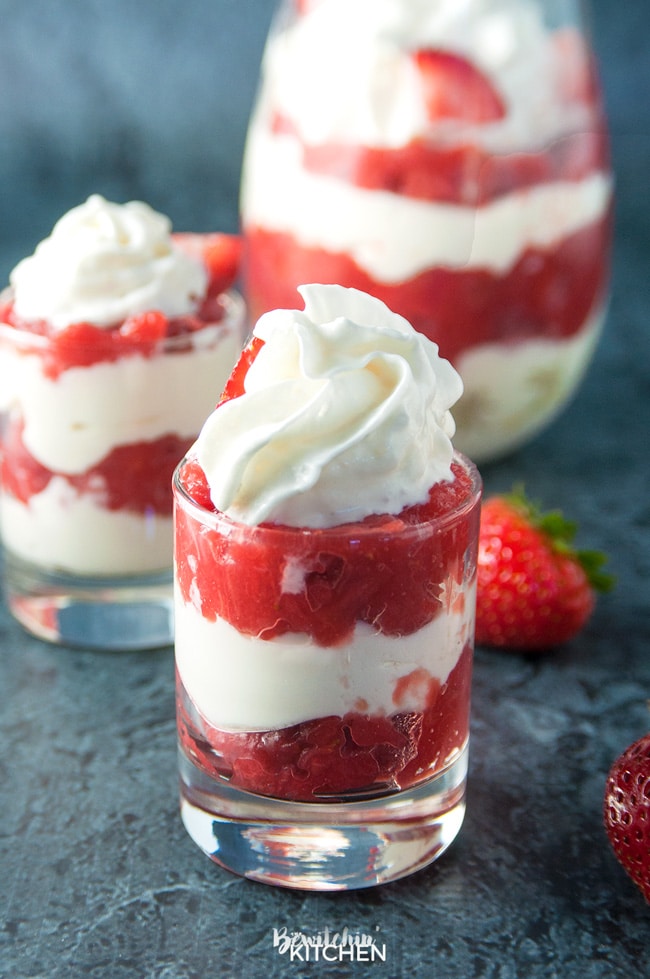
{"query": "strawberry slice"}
(234, 387)
(220, 253)
(453, 88)
(196, 485)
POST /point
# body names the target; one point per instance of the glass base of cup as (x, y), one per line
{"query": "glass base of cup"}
(109, 613)
(323, 847)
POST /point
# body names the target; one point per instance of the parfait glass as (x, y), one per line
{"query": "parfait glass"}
(450, 158)
(92, 425)
(323, 687)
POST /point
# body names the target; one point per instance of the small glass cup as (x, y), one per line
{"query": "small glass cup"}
(323, 688)
(91, 428)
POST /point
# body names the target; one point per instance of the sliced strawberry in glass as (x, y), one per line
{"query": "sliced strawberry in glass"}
(196, 485)
(455, 89)
(234, 387)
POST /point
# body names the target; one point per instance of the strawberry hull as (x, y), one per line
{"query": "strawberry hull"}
(313, 665)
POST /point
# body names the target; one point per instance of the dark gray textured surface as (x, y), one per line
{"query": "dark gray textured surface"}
(98, 878)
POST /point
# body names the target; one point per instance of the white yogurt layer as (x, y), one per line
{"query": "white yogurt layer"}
(59, 530)
(239, 683)
(74, 420)
(279, 195)
(513, 390)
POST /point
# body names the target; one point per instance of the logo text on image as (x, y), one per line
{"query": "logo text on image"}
(328, 946)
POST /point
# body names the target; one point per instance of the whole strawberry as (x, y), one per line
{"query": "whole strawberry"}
(627, 812)
(534, 590)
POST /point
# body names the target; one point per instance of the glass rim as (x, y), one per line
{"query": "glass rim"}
(217, 520)
(232, 301)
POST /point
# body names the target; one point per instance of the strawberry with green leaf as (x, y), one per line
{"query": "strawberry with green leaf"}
(535, 590)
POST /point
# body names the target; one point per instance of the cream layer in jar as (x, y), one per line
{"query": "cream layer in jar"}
(113, 336)
(452, 161)
(325, 560)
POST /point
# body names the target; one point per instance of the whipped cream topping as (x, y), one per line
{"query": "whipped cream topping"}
(104, 262)
(373, 42)
(345, 414)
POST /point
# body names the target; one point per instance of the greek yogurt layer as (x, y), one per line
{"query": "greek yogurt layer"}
(240, 683)
(60, 529)
(512, 391)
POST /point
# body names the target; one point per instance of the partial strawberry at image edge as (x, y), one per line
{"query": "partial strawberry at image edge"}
(626, 812)
(535, 590)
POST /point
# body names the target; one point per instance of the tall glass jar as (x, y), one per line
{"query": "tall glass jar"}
(451, 158)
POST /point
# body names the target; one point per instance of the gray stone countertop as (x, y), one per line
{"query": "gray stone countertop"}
(99, 879)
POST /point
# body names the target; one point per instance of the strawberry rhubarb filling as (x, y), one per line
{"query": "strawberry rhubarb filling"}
(320, 657)
(96, 412)
(457, 168)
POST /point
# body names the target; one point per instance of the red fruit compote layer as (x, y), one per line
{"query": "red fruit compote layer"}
(325, 558)
(113, 336)
(452, 160)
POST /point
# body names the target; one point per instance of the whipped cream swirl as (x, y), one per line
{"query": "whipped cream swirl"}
(104, 262)
(345, 414)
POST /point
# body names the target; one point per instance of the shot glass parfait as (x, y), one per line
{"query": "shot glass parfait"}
(323, 686)
(92, 425)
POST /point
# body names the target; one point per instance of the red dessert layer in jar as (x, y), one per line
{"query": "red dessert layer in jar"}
(332, 758)
(548, 293)
(385, 570)
(462, 174)
(83, 344)
(133, 477)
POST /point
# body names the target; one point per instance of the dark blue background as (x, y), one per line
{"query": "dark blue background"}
(146, 99)
(150, 99)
